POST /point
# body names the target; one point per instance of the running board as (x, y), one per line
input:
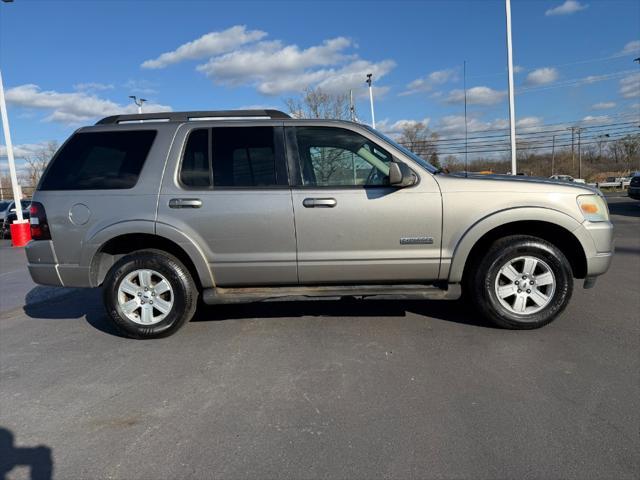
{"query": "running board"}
(214, 296)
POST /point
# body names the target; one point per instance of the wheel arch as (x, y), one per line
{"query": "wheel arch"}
(555, 227)
(111, 250)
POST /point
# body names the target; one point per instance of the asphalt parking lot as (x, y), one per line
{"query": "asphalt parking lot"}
(324, 389)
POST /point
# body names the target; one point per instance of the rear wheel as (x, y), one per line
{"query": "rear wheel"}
(149, 294)
(523, 282)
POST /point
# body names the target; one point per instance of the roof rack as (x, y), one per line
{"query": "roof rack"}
(194, 116)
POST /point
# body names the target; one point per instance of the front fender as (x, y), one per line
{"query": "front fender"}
(465, 242)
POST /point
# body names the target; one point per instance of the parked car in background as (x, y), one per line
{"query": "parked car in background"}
(245, 206)
(567, 178)
(4, 206)
(10, 216)
(634, 187)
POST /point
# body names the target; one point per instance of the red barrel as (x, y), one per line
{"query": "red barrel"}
(20, 233)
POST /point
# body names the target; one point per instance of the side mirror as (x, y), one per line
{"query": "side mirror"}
(400, 175)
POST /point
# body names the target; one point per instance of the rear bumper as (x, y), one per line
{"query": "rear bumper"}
(634, 192)
(45, 270)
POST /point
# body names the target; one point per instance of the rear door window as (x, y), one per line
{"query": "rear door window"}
(228, 157)
(244, 157)
(99, 161)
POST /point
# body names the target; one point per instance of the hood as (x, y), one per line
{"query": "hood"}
(519, 182)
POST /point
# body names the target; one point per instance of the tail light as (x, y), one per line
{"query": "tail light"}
(38, 221)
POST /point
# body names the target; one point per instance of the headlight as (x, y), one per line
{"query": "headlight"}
(593, 208)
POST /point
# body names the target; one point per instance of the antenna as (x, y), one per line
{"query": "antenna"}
(466, 140)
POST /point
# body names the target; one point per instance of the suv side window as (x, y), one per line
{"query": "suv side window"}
(339, 157)
(244, 157)
(196, 166)
(99, 161)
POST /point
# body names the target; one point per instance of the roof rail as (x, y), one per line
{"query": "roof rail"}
(193, 116)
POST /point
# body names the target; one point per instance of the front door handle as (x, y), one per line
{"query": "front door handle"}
(319, 202)
(185, 203)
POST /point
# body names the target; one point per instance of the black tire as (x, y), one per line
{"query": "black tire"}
(183, 289)
(480, 283)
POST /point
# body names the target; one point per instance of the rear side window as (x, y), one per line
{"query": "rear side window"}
(99, 161)
(195, 171)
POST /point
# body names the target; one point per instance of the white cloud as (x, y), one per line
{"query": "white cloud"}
(630, 86)
(453, 125)
(140, 87)
(529, 122)
(631, 48)
(274, 68)
(74, 107)
(427, 83)
(542, 76)
(23, 150)
(595, 119)
(213, 43)
(397, 127)
(477, 96)
(92, 86)
(567, 8)
(603, 105)
(517, 69)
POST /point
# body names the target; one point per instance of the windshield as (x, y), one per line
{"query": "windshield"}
(419, 160)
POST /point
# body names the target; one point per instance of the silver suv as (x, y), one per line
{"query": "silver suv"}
(162, 210)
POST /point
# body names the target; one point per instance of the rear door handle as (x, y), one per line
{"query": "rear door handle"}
(319, 202)
(185, 203)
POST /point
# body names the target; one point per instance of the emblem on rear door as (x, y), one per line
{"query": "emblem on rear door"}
(416, 240)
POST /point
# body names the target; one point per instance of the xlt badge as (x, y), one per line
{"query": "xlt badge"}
(416, 240)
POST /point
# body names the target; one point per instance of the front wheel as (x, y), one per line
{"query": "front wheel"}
(149, 294)
(523, 282)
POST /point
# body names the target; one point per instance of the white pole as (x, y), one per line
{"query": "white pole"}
(140, 108)
(12, 164)
(512, 108)
(373, 115)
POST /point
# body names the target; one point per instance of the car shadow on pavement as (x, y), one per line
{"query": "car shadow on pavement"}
(78, 303)
(43, 303)
(630, 208)
(38, 459)
(451, 311)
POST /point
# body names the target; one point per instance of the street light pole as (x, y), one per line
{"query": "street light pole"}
(12, 164)
(373, 116)
(512, 108)
(138, 102)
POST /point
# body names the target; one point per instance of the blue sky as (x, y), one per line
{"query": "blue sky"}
(68, 63)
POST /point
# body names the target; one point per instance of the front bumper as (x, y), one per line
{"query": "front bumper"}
(634, 192)
(598, 244)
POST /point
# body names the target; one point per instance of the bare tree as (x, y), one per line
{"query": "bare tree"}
(316, 103)
(421, 141)
(37, 162)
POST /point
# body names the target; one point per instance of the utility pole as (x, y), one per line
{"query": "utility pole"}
(553, 155)
(138, 102)
(601, 140)
(579, 132)
(512, 108)
(573, 155)
(373, 116)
